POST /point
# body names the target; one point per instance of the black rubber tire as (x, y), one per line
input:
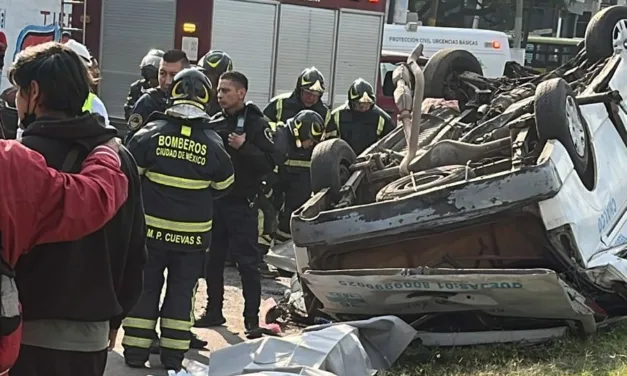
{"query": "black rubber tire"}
(424, 180)
(599, 32)
(330, 161)
(441, 65)
(552, 121)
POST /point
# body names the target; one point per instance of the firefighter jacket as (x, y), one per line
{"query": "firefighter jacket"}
(152, 101)
(361, 129)
(297, 160)
(184, 166)
(137, 89)
(257, 156)
(285, 106)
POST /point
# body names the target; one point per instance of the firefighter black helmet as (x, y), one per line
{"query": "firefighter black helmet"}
(361, 92)
(190, 87)
(150, 64)
(311, 79)
(215, 62)
(307, 125)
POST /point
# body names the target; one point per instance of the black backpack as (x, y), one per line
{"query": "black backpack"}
(10, 315)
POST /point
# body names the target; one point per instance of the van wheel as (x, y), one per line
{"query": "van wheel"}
(558, 117)
(330, 162)
(422, 181)
(606, 32)
(442, 70)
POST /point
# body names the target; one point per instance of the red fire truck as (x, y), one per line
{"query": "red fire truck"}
(271, 41)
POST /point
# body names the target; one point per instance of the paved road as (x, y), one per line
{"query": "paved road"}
(218, 338)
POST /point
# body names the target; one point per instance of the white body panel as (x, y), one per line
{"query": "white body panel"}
(480, 43)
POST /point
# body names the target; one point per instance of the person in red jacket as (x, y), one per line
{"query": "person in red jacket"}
(41, 205)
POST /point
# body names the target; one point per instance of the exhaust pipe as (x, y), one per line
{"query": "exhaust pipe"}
(405, 77)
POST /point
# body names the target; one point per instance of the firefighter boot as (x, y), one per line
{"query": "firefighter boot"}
(197, 343)
(253, 331)
(210, 319)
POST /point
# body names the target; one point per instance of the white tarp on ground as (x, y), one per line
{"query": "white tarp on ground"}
(302, 371)
(358, 348)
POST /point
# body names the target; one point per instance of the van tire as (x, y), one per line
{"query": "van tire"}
(558, 117)
(599, 38)
(330, 162)
(441, 66)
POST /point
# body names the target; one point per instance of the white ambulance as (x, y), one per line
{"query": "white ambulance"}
(490, 47)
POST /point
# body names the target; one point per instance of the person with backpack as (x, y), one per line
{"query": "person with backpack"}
(41, 205)
(65, 329)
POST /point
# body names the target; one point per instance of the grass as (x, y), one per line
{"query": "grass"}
(604, 354)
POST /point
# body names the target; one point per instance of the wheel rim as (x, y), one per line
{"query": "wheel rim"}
(575, 127)
(421, 180)
(619, 35)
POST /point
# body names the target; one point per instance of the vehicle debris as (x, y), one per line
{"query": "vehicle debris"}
(507, 213)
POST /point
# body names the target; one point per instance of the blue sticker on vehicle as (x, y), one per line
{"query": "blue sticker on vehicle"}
(433, 286)
(607, 215)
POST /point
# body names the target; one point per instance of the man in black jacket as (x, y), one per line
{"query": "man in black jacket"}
(359, 121)
(149, 67)
(303, 131)
(74, 295)
(154, 100)
(249, 141)
(307, 95)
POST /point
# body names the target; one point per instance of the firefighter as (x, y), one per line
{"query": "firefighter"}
(310, 87)
(154, 100)
(305, 130)
(184, 167)
(307, 95)
(359, 121)
(149, 67)
(249, 141)
(213, 64)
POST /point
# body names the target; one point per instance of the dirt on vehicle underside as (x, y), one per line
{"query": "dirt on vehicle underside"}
(515, 241)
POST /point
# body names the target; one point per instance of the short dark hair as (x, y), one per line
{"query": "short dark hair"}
(237, 77)
(175, 56)
(60, 73)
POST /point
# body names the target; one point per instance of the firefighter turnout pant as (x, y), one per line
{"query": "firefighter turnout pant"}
(266, 222)
(235, 231)
(176, 314)
(296, 190)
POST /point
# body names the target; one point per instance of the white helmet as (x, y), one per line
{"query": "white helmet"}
(81, 50)
(153, 57)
